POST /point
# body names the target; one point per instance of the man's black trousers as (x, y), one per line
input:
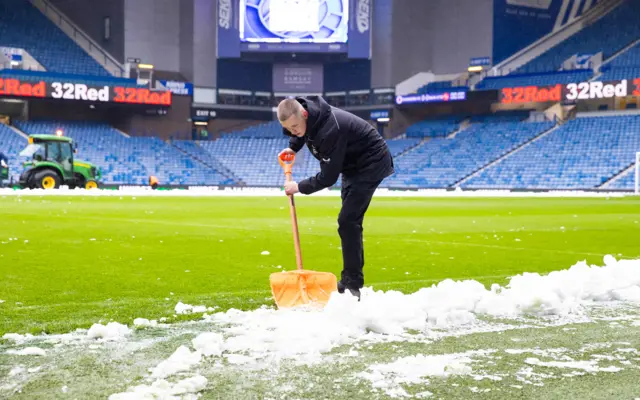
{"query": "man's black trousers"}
(356, 197)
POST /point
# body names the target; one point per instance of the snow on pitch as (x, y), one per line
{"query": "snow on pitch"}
(266, 335)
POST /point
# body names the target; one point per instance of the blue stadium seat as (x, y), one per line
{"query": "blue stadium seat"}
(58, 77)
(432, 128)
(24, 26)
(441, 87)
(125, 160)
(583, 153)
(609, 34)
(625, 182)
(625, 66)
(546, 79)
(441, 162)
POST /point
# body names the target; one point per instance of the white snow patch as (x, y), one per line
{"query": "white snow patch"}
(209, 344)
(414, 369)
(181, 360)
(16, 371)
(589, 366)
(304, 334)
(143, 323)
(112, 331)
(182, 308)
(162, 389)
(28, 351)
(18, 338)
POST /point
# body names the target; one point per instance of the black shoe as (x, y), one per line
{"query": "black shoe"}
(354, 291)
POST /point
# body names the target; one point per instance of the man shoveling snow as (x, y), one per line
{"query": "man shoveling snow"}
(344, 144)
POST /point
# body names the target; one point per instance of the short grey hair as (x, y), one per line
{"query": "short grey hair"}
(287, 108)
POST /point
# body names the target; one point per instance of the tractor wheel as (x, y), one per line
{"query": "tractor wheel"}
(46, 179)
(91, 185)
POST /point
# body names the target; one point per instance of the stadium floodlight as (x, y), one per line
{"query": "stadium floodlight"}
(637, 180)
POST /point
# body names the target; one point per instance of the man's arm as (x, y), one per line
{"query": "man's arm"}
(335, 145)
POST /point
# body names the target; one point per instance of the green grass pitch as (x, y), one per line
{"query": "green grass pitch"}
(69, 262)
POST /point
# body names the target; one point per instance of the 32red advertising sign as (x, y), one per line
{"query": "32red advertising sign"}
(570, 92)
(80, 91)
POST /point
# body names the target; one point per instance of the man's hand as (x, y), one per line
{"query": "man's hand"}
(286, 151)
(291, 188)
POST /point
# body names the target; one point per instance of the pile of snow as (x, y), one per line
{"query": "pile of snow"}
(413, 369)
(112, 331)
(180, 361)
(267, 335)
(306, 334)
(161, 389)
(182, 308)
(143, 323)
(18, 338)
(209, 344)
(28, 351)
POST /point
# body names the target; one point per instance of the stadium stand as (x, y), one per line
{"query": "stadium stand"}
(609, 34)
(508, 116)
(24, 26)
(125, 160)
(549, 78)
(440, 87)
(399, 146)
(254, 159)
(626, 181)
(441, 162)
(433, 128)
(624, 66)
(271, 129)
(250, 154)
(583, 153)
(11, 144)
(192, 149)
(56, 77)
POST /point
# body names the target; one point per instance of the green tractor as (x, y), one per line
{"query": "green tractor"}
(52, 165)
(4, 173)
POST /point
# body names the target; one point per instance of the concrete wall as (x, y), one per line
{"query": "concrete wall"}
(89, 16)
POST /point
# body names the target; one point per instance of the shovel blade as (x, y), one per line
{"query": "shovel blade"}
(302, 287)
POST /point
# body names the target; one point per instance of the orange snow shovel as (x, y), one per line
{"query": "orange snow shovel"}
(299, 287)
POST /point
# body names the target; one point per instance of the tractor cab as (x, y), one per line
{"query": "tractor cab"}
(50, 163)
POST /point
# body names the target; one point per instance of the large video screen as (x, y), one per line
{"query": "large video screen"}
(294, 21)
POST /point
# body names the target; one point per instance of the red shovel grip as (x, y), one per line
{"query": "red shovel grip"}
(286, 162)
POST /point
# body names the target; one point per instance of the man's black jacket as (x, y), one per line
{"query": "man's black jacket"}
(343, 143)
(3, 157)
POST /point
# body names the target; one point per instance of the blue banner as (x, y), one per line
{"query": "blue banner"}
(178, 88)
(379, 114)
(228, 31)
(519, 23)
(583, 60)
(359, 42)
(480, 61)
(431, 98)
